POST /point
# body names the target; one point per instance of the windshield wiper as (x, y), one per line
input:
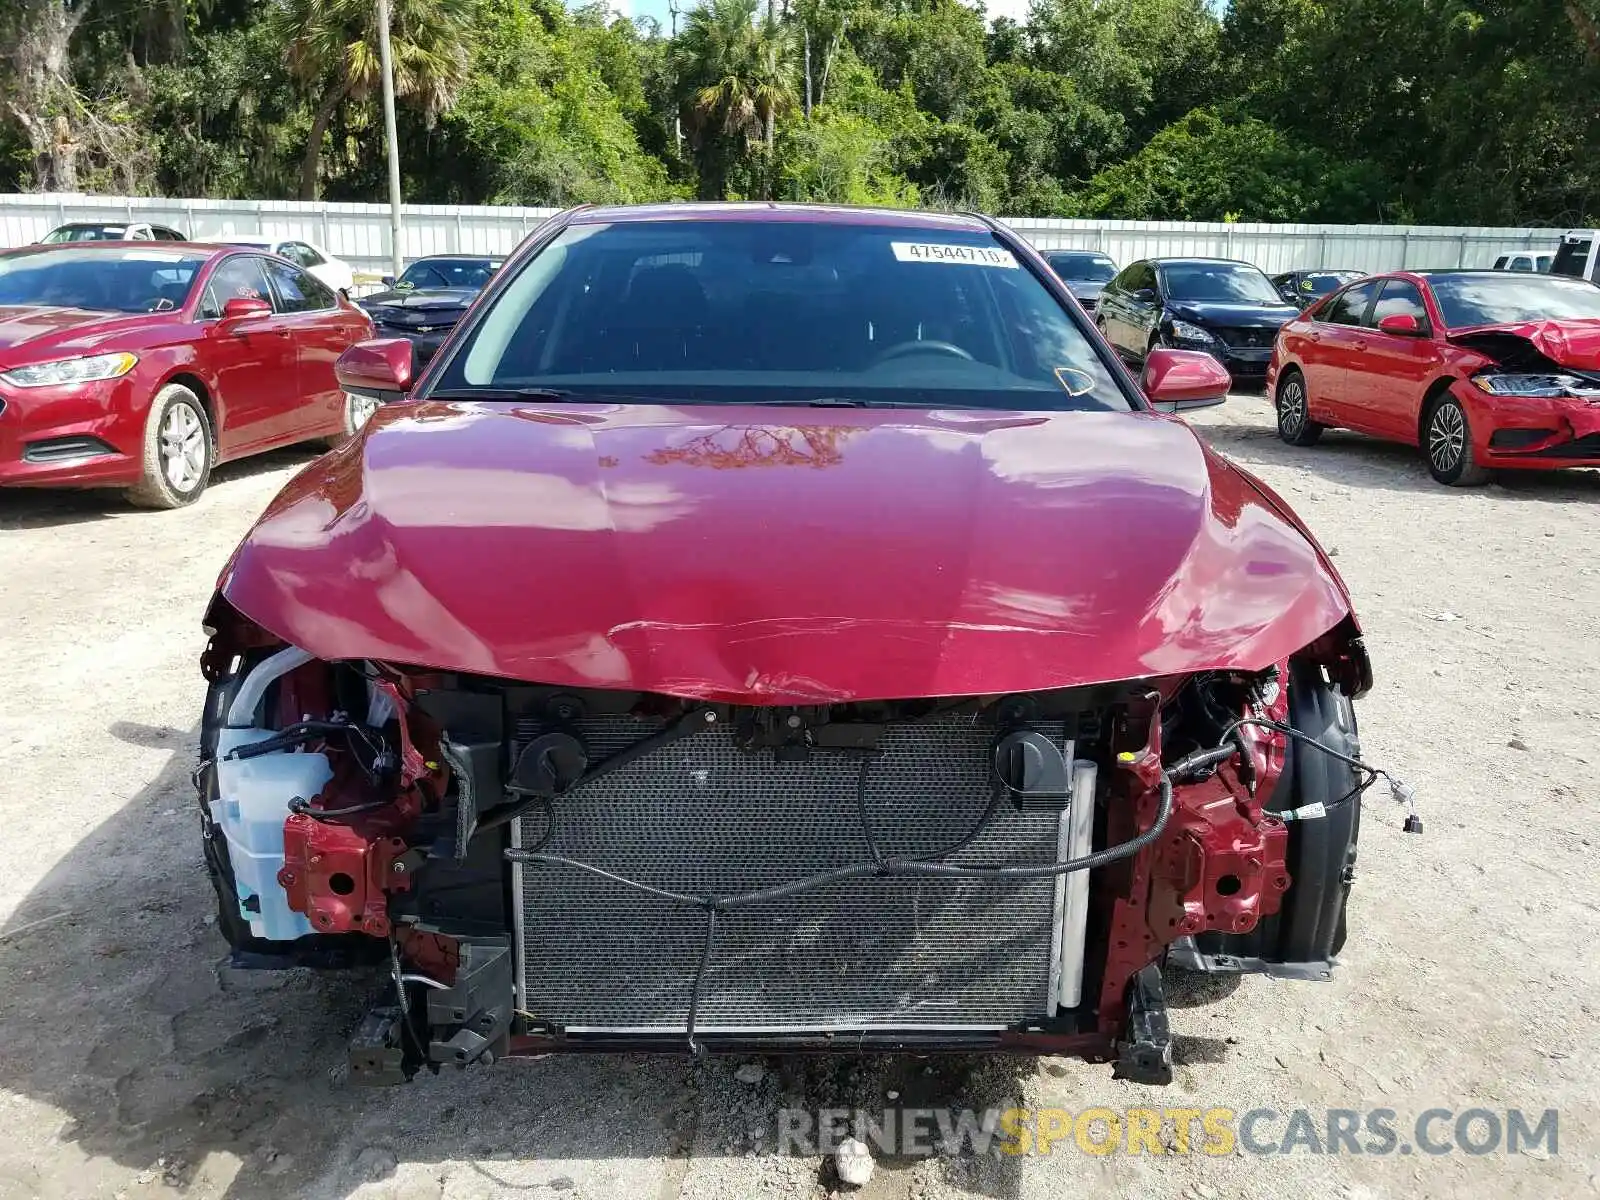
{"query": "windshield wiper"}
(500, 393)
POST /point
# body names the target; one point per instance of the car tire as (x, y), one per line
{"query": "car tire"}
(1447, 445)
(358, 411)
(1295, 425)
(179, 451)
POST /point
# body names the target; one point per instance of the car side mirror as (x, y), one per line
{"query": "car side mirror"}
(388, 281)
(381, 369)
(1148, 295)
(1401, 325)
(1180, 380)
(242, 308)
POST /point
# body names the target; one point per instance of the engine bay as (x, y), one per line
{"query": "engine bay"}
(544, 869)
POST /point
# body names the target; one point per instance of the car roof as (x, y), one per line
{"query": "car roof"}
(815, 214)
(460, 255)
(1200, 260)
(1075, 250)
(201, 249)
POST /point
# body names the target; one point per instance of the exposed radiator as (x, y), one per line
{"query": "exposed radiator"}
(702, 816)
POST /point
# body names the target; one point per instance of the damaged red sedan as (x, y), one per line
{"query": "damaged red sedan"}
(1484, 370)
(779, 628)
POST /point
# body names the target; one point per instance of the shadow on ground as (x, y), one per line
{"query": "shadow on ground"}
(117, 1009)
(45, 508)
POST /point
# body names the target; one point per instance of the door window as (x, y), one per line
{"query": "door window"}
(237, 277)
(1522, 263)
(1140, 276)
(1400, 298)
(1350, 306)
(296, 291)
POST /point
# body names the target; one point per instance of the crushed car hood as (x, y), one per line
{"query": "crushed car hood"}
(780, 555)
(1574, 343)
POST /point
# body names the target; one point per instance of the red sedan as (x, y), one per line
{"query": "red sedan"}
(141, 366)
(1483, 370)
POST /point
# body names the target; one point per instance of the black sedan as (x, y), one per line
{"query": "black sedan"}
(1305, 287)
(1084, 272)
(425, 303)
(1226, 308)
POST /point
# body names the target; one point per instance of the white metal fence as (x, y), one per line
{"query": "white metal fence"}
(359, 233)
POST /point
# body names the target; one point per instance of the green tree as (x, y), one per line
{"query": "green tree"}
(1207, 168)
(331, 47)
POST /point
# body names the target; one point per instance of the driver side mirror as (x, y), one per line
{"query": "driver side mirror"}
(240, 308)
(388, 281)
(381, 369)
(1148, 295)
(1401, 325)
(1180, 380)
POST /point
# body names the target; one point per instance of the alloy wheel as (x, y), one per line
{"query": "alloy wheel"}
(1292, 407)
(1447, 437)
(183, 447)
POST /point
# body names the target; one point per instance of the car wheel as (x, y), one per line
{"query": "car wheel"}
(1295, 425)
(1447, 444)
(179, 451)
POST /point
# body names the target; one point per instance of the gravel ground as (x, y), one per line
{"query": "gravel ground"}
(132, 1064)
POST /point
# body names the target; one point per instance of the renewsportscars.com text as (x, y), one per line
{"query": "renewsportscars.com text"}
(914, 1132)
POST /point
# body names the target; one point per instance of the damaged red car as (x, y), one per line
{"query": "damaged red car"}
(1483, 370)
(771, 628)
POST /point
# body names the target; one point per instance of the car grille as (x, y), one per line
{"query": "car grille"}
(1587, 446)
(417, 318)
(703, 816)
(1251, 338)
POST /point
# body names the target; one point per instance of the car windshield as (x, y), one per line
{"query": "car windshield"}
(84, 233)
(1091, 268)
(1320, 283)
(1234, 283)
(730, 311)
(132, 280)
(447, 272)
(1503, 299)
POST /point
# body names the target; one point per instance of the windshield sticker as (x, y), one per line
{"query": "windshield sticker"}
(403, 285)
(944, 252)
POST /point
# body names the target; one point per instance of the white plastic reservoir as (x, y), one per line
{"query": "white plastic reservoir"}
(253, 803)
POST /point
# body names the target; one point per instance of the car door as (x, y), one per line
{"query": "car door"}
(1330, 350)
(1388, 380)
(320, 329)
(249, 360)
(1108, 313)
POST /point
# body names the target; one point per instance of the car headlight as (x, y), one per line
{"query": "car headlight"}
(1550, 386)
(66, 371)
(1183, 331)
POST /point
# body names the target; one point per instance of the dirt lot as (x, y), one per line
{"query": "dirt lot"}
(133, 1064)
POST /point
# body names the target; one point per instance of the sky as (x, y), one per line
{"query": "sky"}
(1016, 9)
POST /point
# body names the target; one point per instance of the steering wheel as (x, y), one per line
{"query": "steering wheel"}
(901, 349)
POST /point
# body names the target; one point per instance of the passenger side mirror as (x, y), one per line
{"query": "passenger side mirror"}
(388, 281)
(1401, 325)
(381, 369)
(242, 308)
(1180, 380)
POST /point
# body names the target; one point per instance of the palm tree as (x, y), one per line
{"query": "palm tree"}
(738, 78)
(333, 54)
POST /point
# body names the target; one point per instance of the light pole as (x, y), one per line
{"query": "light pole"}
(386, 65)
(677, 121)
